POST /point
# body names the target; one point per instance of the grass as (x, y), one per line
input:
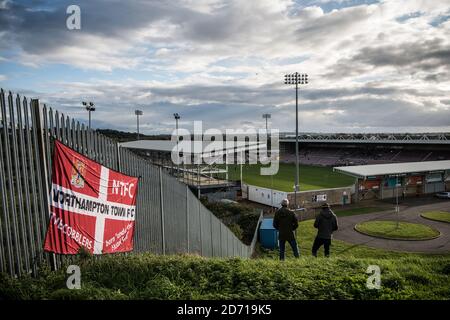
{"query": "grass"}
(146, 276)
(342, 276)
(311, 177)
(356, 211)
(441, 216)
(389, 230)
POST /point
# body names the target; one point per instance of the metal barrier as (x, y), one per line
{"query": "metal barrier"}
(169, 219)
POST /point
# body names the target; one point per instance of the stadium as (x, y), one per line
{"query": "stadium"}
(233, 150)
(382, 188)
(320, 157)
(339, 150)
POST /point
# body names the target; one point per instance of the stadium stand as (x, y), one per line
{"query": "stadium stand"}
(329, 155)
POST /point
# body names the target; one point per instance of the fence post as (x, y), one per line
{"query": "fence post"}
(211, 229)
(200, 227)
(162, 211)
(6, 182)
(220, 239)
(187, 218)
(118, 157)
(42, 160)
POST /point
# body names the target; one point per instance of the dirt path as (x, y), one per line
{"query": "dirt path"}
(409, 214)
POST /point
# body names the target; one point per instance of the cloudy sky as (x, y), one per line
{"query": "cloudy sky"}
(373, 65)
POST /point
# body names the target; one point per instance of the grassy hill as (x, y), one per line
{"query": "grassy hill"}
(145, 276)
(311, 177)
(343, 276)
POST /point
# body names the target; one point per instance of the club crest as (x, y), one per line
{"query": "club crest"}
(78, 172)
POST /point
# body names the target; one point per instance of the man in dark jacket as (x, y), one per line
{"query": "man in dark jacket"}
(286, 222)
(326, 223)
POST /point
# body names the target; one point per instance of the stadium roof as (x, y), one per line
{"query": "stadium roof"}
(169, 146)
(395, 168)
(369, 138)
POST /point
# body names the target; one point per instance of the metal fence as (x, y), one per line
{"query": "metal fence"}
(169, 219)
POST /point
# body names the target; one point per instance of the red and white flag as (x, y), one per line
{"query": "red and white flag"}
(91, 206)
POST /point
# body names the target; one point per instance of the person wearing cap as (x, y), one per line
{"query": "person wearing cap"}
(326, 223)
(286, 223)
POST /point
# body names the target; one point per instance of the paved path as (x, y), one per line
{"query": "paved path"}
(409, 214)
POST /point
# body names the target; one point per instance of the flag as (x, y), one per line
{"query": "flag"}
(91, 206)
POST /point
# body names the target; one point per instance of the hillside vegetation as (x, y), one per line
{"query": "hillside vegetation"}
(241, 219)
(343, 276)
(145, 276)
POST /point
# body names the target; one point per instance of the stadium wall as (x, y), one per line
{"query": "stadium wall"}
(315, 198)
(306, 199)
(269, 197)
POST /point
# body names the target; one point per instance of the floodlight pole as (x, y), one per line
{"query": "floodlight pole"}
(90, 107)
(397, 209)
(297, 169)
(177, 117)
(138, 113)
(241, 160)
(266, 116)
(296, 78)
(271, 190)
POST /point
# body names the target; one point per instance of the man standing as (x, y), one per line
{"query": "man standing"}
(326, 223)
(286, 223)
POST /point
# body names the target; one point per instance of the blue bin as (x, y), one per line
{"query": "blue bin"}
(268, 235)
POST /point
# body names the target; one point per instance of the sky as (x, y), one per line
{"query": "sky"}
(373, 66)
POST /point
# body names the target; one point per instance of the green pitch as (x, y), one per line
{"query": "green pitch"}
(311, 177)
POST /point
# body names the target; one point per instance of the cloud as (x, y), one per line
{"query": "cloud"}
(430, 58)
(366, 108)
(426, 55)
(320, 28)
(371, 65)
(111, 33)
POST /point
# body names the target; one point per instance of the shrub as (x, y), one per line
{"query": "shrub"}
(160, 287)
(446, 269)
(236, 229)
(393, 282)
(235, 215)
(418, 278)
(146, 276)
(87, 292)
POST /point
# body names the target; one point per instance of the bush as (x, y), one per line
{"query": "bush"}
(446, 269)
(236, 229)
(160, 287)
(146, 276)
(239, 218)
(393, 282)
(418, 278)
(248, 222)
(87, 292)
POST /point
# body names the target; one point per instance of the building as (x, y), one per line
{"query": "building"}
(382, 181)
(203, 168)
(342, 149)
